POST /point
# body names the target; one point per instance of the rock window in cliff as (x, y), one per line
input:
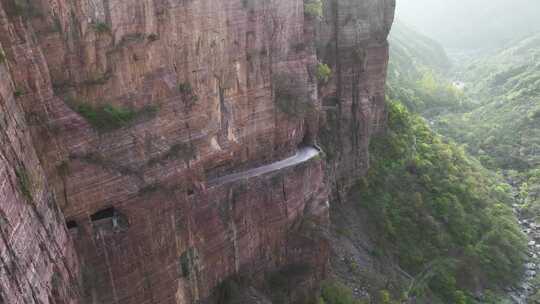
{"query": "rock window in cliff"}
(109, 218)
(71, 225)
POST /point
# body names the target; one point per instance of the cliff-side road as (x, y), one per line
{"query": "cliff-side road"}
(302, 155)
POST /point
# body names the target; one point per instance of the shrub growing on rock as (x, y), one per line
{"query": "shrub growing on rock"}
(2, 56)
(153, 37)
(337, 293)
(185, 88)
(323, 72)
(110, 117)
(101, 27)
(188, 95)
(18, 93)
(24, 182)
(106, 117)
(313, 8)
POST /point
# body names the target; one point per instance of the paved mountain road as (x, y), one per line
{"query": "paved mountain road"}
(302, 155)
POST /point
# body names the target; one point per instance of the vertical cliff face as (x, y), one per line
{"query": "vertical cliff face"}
(145, 136)
(38, 262)
(352, 40)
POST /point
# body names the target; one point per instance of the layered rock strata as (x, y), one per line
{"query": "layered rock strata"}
(352, 41)
(38, 263)
(129, 209)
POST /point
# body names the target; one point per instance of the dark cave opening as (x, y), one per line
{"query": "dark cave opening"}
(104, 214)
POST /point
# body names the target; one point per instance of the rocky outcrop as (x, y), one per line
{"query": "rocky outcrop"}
(352, 41)
(124, 113)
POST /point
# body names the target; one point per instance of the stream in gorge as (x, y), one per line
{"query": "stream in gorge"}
(530, 284)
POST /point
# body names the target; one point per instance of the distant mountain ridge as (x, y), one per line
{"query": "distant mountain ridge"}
(505, 128)
(472, 24)
(410, 49)
(417, 73)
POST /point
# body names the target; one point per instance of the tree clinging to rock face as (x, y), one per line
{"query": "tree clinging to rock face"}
(323, 73)
(313, 8)
(2, 56)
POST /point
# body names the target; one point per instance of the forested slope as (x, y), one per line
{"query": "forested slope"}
(416, 73)
(444, 218)
(433, 212)
(504, 128)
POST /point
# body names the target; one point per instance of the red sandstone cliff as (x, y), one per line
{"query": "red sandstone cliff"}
(352, 40)
(38, 263)
(147, 223)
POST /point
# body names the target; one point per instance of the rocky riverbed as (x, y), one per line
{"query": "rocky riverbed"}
(530, 285)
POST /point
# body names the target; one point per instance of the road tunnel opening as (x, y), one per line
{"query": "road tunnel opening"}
(307, 140)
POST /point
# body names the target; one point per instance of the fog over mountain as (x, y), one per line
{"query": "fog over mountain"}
(472, 24)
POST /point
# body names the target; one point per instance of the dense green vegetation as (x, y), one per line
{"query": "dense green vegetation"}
(109, 117)
(503, 130)
(433, 208)
(410, 49)
(416, 74)
(323, 72)
(512, 71)
(336, 293)
(529, 191)
(313, 8)
(101, 27)
(443, 216)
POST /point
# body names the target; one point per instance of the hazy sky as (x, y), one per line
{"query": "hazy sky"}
(471, 23)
